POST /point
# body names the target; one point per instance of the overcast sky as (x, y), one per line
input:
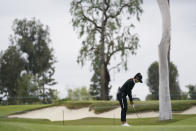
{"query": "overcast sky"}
(55, 14)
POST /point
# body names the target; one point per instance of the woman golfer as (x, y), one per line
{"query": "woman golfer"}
(125, 90)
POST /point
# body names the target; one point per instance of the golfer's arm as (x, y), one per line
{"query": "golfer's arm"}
(130, 96)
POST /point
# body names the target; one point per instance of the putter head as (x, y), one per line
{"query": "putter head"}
(139, 115)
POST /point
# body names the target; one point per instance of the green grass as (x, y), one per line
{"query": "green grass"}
(13, 109)
(142, 106)
(177, 105)
(43, 127)
(75, 104)
(179, 123)
(177, 120)
(98, 106)
(103, 106)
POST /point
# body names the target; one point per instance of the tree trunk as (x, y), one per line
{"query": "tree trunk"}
(103, 67)
(169, 53)
(44, 96)
(103, 83)
(107, 81)
(165, 111)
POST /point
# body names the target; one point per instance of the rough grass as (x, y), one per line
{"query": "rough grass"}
(103, 106)
(142, 106)
(97, 106)
(75, 104)
(14, 109)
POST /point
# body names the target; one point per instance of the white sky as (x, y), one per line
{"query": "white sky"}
(55, 14)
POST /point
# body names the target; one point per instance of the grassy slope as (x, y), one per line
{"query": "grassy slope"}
(179, 123)
(188, 121)
(6, 110)
(102, 106)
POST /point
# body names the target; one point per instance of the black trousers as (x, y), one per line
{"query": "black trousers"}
(123, 103)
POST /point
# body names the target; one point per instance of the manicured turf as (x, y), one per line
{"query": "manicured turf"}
(177, 120)
(43, 127)
(188, 121)
(179, 123)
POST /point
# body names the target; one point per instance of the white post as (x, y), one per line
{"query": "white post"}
(63, 117)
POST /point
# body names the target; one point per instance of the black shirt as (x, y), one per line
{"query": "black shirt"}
(127, 87)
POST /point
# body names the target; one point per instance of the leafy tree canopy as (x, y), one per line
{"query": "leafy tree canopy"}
(153, 81)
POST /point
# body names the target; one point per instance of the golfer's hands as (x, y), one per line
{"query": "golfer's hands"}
(131, 102)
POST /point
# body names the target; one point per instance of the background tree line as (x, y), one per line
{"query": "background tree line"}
(175, 92)
(27, 66)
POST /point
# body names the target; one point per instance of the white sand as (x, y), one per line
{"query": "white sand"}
(56, 113)
(191, 110)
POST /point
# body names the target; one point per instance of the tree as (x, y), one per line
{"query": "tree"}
(169, 50)
(105, 33)
(79, 94)
(95, 89)
(1, 86)
(11, 65)
(149, 97)
(175, 91)
(192, 91)
(51, 95)
(95, 86)
(165, 109)
(26, 89)
(153, 81)
(33, 39)
(184, 95)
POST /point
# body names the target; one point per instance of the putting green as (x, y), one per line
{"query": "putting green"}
(189, 121)
(179, 123)
(15, 126)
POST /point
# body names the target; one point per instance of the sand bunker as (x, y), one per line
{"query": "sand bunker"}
(56, 113)
(191, 110)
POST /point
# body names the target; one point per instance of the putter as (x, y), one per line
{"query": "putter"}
(135, 110)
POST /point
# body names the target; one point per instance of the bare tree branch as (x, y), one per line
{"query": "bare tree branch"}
(105, 10)
(90, 20)
(96, 6)
(115, 51)
(116, 66)
(120, 10)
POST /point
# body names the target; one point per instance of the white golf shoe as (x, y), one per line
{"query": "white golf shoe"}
(125, 124)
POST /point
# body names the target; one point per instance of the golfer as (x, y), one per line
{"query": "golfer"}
(125, 90)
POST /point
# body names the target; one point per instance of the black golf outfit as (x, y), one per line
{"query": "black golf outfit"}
(125, 90)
